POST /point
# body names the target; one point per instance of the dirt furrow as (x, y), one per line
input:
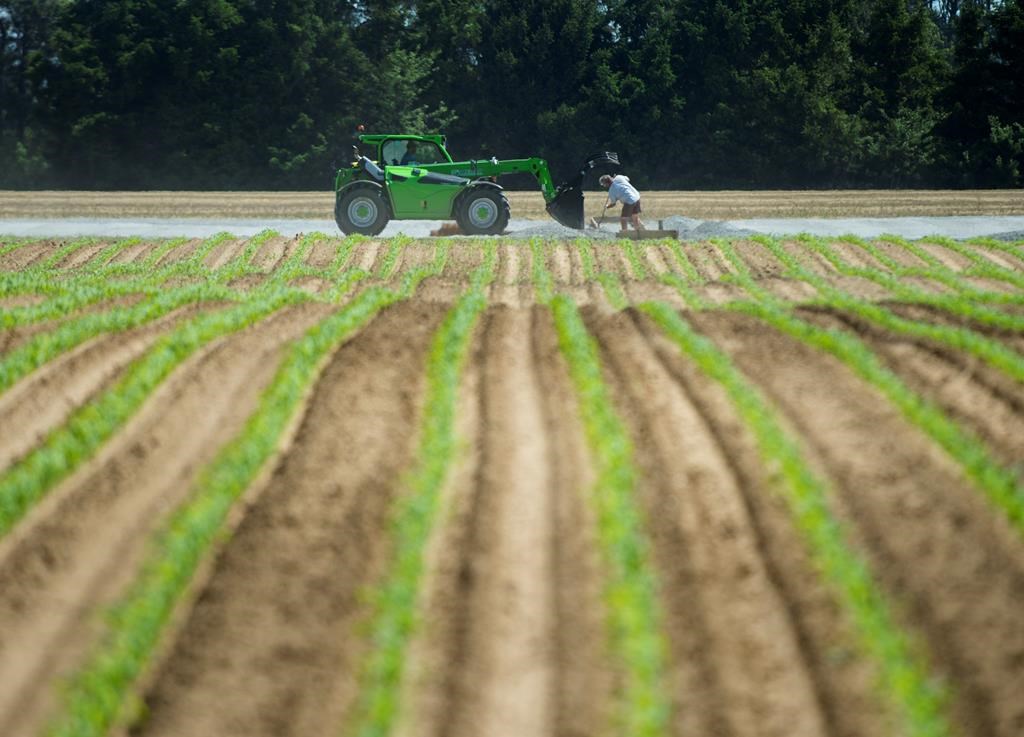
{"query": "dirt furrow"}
(78, 256)
(418, 255)
(844, 681)
(1012, 261)
(272, 253)
(560, 264)
(45, 399)
(80, 546)
(179, 253)
(657, 259)
(1000, 258)
(562, 267)
(323, 253)
(854, 255)
(710, 267)
(950, 561)
(610, 257)
(638, 291)
(708, 260)
(222, 253)
(857, 286)
(311, 284)
(21, 300)
(134, 253)
(947, 256)
(925, 313)
(737, 659)
(578, 276)
(511, 284)
(508, 273)
(513, 632)
(270, 647)
(901, 255)
(25, 256)
(769, 273)
(973, 393)
(811, 259)
(365, 255)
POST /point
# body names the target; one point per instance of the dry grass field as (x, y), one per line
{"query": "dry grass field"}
(724, 205)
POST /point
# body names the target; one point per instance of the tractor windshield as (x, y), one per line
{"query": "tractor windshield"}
(405, 152)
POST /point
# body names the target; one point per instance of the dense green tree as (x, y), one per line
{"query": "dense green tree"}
(692, 93)
(447, 33)
(985, 98)
(765, 83)
(1007, 94)
(633, 100)
(533, 58)
(25, 28)
(205, 93)
(900, 72)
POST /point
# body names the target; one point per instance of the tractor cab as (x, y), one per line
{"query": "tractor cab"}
(406, 150)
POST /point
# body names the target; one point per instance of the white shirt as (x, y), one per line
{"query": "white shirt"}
(622, 191)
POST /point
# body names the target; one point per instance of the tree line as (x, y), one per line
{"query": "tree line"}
(267, 94)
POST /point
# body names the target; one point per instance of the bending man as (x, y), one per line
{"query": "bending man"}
(620, 190)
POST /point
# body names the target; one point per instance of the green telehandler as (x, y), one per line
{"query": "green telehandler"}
(415, 178)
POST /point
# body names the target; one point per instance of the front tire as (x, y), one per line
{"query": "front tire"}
(361, 208)
(482, 211)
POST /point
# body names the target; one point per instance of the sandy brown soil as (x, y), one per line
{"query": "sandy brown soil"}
(978, 396)
(12, 338)
(45, 399)
(751, 631)
(954, 567)
(268, 648)
(512, 638)
(81, 546)
(28, 254)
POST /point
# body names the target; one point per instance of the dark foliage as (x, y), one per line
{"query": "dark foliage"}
(237, 94)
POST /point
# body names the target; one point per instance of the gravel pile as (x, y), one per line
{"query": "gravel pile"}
(1013, 235)
(537, 229)
(690, 229)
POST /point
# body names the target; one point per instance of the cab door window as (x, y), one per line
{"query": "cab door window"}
(406, 152)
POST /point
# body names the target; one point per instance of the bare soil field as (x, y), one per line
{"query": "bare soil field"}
(715, 205)
(404, 452)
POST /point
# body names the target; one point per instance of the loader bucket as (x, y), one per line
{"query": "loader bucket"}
(567, 205)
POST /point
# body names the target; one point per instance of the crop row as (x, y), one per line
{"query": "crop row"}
(100, 692)
(906, 680)
(1002, 485)
(89, 427)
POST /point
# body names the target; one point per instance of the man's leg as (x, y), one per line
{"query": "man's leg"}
(634, 215)
(624, 222)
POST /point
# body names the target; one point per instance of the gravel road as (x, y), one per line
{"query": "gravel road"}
(1005, 227)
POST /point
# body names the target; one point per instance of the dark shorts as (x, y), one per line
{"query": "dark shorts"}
(633, 209)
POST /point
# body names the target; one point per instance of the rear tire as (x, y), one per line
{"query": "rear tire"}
(362, 208)
(482, 211)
